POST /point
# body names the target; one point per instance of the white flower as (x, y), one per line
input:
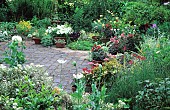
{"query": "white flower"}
(78, 76)
(29, 35)
(166, 3)
(17, 38)
(158, 52)
(2, 66)
(61, 61)
(5, 33)
(121, 104)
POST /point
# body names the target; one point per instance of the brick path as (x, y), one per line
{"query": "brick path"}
(48, 57)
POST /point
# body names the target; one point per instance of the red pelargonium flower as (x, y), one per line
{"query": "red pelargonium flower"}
(96, 47)
(86, 70)
(142, 58)
(131, 62)
(139, 57)
(108, 26)
(130, 35)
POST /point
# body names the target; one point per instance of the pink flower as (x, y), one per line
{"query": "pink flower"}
(122, 35)
(131, 62)
(116, 41)
(90, 63)
(112, 56)
(112, 39)
(124, 48)
(106, 59)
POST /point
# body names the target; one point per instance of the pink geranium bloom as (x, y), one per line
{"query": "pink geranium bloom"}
(131, 62)
(90, 63)
(124, 48)
(106, 59)
(112, 39)
(112, 56)
(122, 35)
(116, 41)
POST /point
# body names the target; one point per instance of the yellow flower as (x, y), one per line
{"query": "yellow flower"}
(57, 90)
(158, 45)
(117, 18)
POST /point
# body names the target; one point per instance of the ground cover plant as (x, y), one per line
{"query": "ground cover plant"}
(81, 45)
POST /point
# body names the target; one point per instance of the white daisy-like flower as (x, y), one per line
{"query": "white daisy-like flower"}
(2, 66)
(61, 61)
(78, 76)
(17, 38)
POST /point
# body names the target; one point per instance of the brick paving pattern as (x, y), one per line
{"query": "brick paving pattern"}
(48, 57)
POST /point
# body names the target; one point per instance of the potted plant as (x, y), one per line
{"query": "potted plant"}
(37, 35)
(98, 53)
(60, 43)
(60, 31)
(47, 40)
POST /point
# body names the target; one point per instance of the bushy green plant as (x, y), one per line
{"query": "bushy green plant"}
(28, 86)
(98, 53)
(27, 8)
(47, 40)
(14, 55)
(41, 23)
(154, 95)
(81, 45)
(142, 13)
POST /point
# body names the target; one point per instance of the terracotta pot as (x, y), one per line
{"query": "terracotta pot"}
(36, 40)
(60, 45)
(64, 38)
(95, 38)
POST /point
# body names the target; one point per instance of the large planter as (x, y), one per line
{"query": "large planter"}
(60, 45)
(36, 40)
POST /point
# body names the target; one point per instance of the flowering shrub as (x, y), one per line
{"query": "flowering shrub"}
(126, 41)
(104, 73)
(60, 30)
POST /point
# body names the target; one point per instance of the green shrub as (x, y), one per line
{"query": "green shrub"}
(154, 95)
(27, 8)
(142, 13)
(47, 40)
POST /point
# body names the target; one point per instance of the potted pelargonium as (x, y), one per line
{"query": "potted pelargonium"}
(60, 43)
(98, 53)
(60, 31)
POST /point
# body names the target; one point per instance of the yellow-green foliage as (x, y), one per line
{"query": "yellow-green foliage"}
(23, 27)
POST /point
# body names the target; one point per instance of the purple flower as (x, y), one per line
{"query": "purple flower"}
(154, 25)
